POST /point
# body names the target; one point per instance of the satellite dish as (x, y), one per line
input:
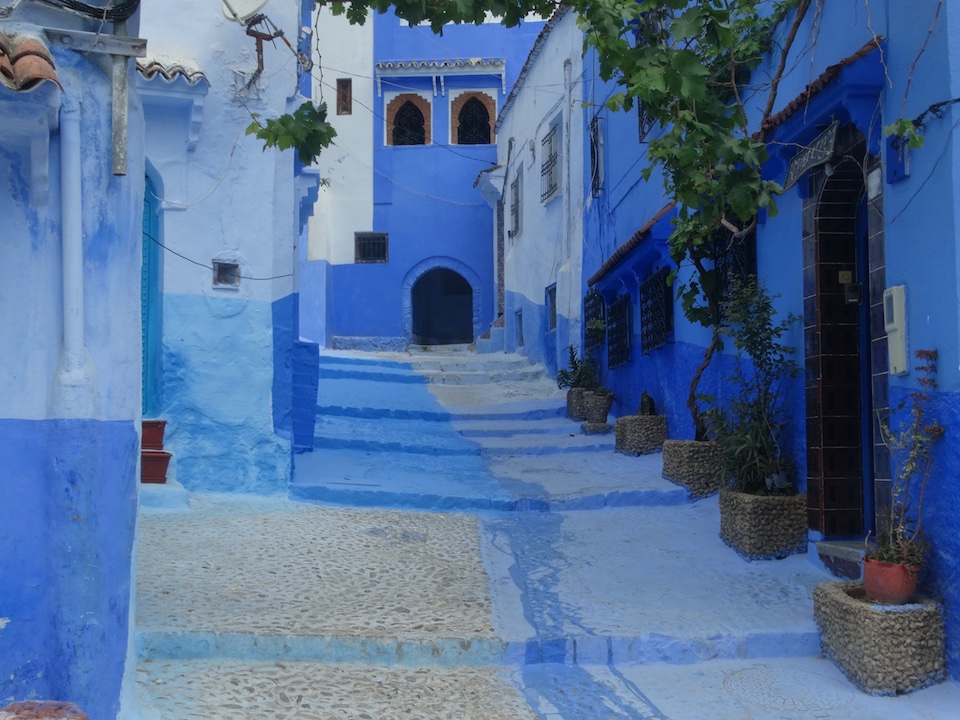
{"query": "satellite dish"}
(242, 10)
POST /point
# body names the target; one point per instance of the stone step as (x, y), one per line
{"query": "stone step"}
(480, 377)
(412, 435)
(516, 427)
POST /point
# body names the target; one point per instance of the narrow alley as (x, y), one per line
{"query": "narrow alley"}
(455, 548)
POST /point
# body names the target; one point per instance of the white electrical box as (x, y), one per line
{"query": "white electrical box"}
(895, 323)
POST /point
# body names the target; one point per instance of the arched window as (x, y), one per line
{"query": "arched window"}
(408, 126)
(474, 124)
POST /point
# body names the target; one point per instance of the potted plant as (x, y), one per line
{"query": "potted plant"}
(641, 433)
(892, 564)
(586, 399)
(886, 652)
(761, 514)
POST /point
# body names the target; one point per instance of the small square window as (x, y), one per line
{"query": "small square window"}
(226, 274)
(344, 96)
(370, 247)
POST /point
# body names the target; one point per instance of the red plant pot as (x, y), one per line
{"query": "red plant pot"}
(889, 583)
(153, 466)
(152, 438)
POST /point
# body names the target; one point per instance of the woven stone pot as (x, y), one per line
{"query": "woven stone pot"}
(884, 651)
(575, 409)
(596, 406)
(763, 527)
(695, 464)
(640, 434)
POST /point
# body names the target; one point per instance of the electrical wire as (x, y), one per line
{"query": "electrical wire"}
(210, 267)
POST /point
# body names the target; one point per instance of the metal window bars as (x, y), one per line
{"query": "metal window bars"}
(549, 164)
(619, 331)
(594, 321)
(370, 247)
(656, 311)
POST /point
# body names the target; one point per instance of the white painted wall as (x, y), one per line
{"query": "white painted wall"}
(548, 247)
(346, 204)
(222, 198)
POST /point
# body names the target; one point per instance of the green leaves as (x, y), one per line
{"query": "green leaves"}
(306, 130)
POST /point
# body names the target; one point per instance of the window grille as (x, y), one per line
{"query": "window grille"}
(644, 122)
(550, 163)
(736, 257)
(656, 311)
(370, 247)
(552, 307)
(408, 126)
(345, 96)
(474, 124)
(519, 328)
(596, 157)
(593, 320)
(619, 331)
(516, 200)
(226, 274)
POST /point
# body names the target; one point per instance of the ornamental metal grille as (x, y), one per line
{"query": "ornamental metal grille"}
(596, 158)
(515, 203)
(550, 163)
(370, 247)
(408, 126)
(345, 96)
(656, 311)
(644, 122)
(619, 332)
(474, 127)
(736, 257)
(593, 307)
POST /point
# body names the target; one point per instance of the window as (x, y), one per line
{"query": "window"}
(407, 120)
(226, 274)
(370, 247)
(550, 163)
(516, 202)
(593, 320)
(644, 122)
(344, 96)
(596, 157)
(619, 331)
(736, 257)
(473, 124)
(551, 296)
(408, 126)
(656, 311)
(519, 328)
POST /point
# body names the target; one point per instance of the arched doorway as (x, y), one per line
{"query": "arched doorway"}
(151, 300)
(442, 303)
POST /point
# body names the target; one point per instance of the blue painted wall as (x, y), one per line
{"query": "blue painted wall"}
(423, 196)
(920, 226)
(68, 443)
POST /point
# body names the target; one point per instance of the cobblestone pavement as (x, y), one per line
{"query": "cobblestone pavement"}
(604, 595)
(276, 567)
(230, 689)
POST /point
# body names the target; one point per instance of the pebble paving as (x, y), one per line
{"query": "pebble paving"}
(228, 690)
(281, 568)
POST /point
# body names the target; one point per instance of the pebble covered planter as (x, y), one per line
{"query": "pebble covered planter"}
(763, 527)
(883, 649)
(695, 464)
(640, 434)
(596, 406)
(575, 409)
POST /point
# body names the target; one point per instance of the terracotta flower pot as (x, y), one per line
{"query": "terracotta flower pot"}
(152, 438)
(889, 583)
(153, 466)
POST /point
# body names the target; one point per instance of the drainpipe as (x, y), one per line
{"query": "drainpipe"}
(119, 77)
(75, 390)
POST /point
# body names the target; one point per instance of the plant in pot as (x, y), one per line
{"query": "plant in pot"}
(761, 514)
(586, 399)
(641, 433)
(893, 563)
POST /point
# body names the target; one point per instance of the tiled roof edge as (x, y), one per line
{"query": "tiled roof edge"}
(621, 252)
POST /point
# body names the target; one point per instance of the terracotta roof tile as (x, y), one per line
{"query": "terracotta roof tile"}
(816, 86)
(621, 252)
(170, 71)
(25, 62)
